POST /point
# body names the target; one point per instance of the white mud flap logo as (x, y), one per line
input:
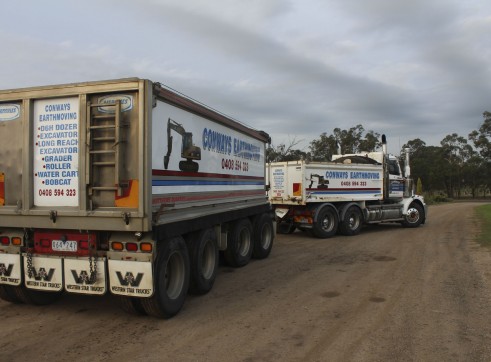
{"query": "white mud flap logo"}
(10, 271)
(131, 278)
(45, 274)
(80, 279)
(6, 270)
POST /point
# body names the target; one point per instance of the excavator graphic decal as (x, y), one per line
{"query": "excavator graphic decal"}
(188, 151)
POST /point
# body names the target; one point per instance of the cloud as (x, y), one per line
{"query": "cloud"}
(295, 69)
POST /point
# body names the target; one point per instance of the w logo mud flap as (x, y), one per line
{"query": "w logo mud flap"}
(10, 269)
(131, 278)
(45, 274)
(78, 276)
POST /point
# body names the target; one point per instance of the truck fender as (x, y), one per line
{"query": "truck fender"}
(407, 203)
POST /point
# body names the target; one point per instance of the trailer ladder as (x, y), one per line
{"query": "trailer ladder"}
(104, 145)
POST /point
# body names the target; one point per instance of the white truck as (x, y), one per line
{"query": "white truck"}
(323, 198)
(127, 187)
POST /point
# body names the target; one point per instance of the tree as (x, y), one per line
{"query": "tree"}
(415, 146)
(478, 175)
(352, 140)
(419, 187)
(456, 152)
(482, 138)
(282, 152)
(427, 164)
(370, 143)
(323, 148)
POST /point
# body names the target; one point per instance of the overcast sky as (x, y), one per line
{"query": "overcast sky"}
(295, 69)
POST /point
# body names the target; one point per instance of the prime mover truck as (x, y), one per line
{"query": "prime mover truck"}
(324, 198)
(125, 187)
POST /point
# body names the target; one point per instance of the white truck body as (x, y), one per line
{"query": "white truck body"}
(320, 197)
(111, 186)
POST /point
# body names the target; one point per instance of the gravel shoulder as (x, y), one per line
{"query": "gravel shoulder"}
(389, 293)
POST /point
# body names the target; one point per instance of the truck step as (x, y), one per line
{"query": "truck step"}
(109, 126)
(101, 163)
(103, 139)
(104, 188)
(102, 152)
(103, 116)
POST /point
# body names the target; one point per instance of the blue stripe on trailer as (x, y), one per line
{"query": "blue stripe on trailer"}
(204, 183)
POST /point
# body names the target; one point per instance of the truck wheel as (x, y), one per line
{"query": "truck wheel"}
(326, 224)
(7, 293)
(263, 235)
(171, 280)
(240, 244)
(36, 297)
(131, 305)
(285, 227)
(414, 216)
(352, 221)
(203, 256)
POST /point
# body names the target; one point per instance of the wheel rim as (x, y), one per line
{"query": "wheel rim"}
(174, 275)
(327, 223)
(353, 221)
(208, 260)
(244, 242)
(412, 215)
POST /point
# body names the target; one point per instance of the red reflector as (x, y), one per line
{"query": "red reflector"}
(45, 243)
(4, 240)
(131, 246)
(83, 244)
(297, 189)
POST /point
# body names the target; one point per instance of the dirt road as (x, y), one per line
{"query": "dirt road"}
(388, 294)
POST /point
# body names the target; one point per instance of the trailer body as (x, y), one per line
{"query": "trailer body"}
(112, 186)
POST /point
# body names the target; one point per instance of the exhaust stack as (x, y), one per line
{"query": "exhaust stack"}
(384, 145)
(407, 168)
(409, 183)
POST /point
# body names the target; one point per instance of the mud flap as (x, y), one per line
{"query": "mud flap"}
(77, 276)
(131, 278)
(46, 274)
(10, 269)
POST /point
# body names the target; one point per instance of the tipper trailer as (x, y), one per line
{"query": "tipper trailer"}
(324, 198)
(127, 187)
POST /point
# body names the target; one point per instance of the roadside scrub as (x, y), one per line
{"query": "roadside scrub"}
(483, 213)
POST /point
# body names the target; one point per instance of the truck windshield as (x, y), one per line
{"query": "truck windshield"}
(394, 168)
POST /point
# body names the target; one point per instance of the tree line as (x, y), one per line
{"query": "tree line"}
(460, 166)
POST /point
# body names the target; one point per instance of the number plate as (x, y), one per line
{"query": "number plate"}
(59, 245)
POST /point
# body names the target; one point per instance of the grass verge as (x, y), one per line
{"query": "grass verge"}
(483, 213)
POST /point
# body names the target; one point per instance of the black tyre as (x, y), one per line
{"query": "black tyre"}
(285, 228)
(36, 297)
(203, 257)
(263, 235)
(352, 221)
(414, 216)
(171, 279)
(239, 244)
(326, 223)
(7, 293)
(131, 305)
